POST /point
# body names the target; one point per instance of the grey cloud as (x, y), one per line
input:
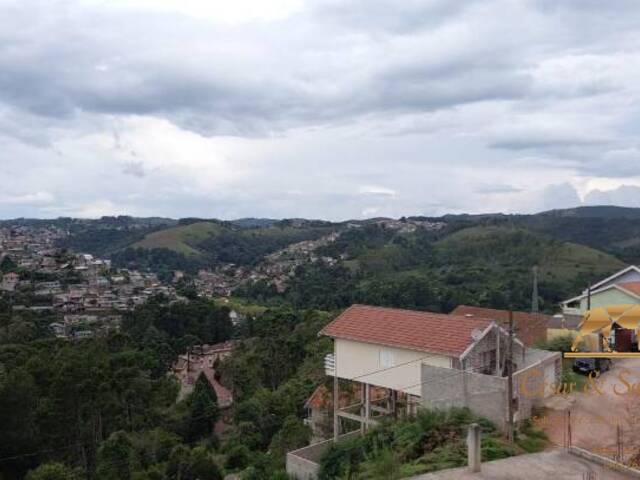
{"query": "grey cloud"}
(536, 141)
(625, 196)
(66, 68)
(481, 92)
(498, 188)
(134, 168)
(406, 16)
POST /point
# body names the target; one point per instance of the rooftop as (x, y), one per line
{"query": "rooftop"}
(414, 330)
(529, 327)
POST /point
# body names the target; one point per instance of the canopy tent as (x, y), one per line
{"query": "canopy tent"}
(602, 320)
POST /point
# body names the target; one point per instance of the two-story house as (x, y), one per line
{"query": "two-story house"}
(399, 350)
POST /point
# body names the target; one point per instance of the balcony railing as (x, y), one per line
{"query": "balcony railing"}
(330, 365)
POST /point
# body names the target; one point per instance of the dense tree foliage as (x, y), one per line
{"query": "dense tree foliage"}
(164, 329)
(105, 407)
(272, 373)
(160, 260)
(487, 266)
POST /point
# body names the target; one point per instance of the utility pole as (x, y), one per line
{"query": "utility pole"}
(600, 335)
(510, 377)
(534, 294)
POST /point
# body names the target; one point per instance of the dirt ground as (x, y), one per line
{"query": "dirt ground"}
(595, 414)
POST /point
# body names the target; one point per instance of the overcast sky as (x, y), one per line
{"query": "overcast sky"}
(319, 109)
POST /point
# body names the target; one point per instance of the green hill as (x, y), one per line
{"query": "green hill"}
(212, 242)
(182, 239)
(480, 265)
(478, 259)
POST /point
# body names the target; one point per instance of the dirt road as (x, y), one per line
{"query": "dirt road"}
(610, 400)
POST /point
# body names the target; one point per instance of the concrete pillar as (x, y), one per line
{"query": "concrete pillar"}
(498, 371)
(363, 402)
(474, 451)
(465, 390)
(394, 404)
(367, 404)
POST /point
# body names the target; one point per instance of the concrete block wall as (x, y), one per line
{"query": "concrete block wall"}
(304, 463)
(485, 395)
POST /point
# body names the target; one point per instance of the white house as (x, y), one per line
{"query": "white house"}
(421, 359)
(391, 348)
(623, 287)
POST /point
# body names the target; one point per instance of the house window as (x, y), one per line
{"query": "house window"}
(488, 362)
(386, 358)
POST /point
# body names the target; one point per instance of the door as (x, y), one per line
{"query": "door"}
(623, 340)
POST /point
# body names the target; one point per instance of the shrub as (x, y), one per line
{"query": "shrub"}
(237, 457)
(495, 449)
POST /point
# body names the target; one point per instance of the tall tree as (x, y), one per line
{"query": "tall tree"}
(203, 410)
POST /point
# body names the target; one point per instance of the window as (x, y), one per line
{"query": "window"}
(386, 358)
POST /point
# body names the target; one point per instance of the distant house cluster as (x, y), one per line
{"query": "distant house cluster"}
(276, 269)
(87, 291)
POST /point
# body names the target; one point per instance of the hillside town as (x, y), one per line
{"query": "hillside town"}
(277, 268)
(88, 293)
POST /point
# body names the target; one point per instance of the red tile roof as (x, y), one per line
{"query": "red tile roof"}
(423, 331)
(529, 327)
(633, 287)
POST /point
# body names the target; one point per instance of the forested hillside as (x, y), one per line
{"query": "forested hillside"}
(481, 265)
(105, 408)
(471, 259)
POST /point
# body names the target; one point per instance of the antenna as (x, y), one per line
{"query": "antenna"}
(534, 293)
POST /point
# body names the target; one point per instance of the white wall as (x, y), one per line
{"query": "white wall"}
(361, 362)
(612, 296)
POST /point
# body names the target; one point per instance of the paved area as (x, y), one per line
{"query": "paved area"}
(552, 464)
(596, 414)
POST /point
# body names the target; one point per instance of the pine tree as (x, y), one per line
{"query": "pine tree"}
(203, 409)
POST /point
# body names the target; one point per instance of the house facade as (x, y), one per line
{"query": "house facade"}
(621, 288)
(391, 349)
(389, 362)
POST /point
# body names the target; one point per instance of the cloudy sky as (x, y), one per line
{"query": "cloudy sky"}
(327, 109)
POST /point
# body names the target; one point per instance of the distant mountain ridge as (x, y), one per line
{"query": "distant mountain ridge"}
(597, 211)
(421, 262)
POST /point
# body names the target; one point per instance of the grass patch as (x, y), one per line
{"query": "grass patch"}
(531, 439)
(181, 238)
(570, 377)
(433, 440)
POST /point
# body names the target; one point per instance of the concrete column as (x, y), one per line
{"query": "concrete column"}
(367, 404)
(394, 404)
(465, 390)
(498, 372)
(363, 403)
(474, 451)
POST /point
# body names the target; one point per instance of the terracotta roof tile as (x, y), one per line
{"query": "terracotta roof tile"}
(529, 327)
(423, 331)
